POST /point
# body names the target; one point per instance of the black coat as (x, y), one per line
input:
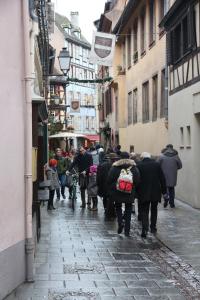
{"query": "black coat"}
(82, 162)
(115, 195)
(102, 175)
(152, 183)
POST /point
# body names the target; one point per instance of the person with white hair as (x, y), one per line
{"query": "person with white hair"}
(149, 191)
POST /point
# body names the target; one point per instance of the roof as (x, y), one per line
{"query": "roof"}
(125, 16)
(61, 20)
(175, 7)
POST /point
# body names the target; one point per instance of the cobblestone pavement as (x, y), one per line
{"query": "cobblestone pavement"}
(81, 257)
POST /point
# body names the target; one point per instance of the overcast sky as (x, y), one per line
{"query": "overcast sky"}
(89, 11)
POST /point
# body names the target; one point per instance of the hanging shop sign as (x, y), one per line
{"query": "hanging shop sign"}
(102, 51)
(75, 106)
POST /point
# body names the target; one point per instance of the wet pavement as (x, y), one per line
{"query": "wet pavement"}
(81, 257)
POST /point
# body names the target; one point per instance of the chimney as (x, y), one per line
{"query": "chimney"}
(75, 18)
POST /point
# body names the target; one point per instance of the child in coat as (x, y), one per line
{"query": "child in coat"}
(92, 187)
(52, 175)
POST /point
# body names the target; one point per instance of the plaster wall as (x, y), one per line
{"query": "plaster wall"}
(12, 125)
(188, 188)
(12, 194)
(150, 136)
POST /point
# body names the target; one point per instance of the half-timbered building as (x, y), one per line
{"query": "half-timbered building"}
(182, 24)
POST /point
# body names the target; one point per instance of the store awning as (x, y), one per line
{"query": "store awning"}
(92, 137)
(66, 135)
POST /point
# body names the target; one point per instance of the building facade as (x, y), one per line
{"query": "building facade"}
(183, 30)
(81, 97)
(22, 93)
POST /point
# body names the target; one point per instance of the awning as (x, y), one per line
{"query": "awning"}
(66, 135)
(92, 137)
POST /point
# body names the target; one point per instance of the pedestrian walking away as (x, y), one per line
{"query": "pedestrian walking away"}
(170, 164)
(123, 179)
(102, 176)
(92, 188)
(83, 161)
(149, 191)
(52, 175)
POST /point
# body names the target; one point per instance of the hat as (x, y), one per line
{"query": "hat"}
(53, 162)
(124, 155)
(145, 155)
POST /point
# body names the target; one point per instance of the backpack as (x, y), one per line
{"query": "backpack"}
(125, 181)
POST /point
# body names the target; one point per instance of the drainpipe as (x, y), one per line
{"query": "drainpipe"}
(29, 245)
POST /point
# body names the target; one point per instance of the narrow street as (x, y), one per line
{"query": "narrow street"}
(80, 256)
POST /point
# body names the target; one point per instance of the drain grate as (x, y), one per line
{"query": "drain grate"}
(83, 269)
(73, 295)
(127, 256)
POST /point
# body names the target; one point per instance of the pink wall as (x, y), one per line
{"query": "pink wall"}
(11, 125)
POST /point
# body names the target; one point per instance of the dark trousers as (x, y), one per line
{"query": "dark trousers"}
(145, 214)
(110, 211)
(83, 196)
(127, 215)
(51, 196)
(171, 194)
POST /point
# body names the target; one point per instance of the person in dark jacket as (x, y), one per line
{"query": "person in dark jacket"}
(82, 161)
(170, 164)
(149, 191)
(119, 197)
(102, 175)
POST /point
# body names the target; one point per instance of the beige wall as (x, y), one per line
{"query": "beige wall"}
(151, 136)
(57, 41)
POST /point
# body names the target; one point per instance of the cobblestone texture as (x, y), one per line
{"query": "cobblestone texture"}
(80, 256)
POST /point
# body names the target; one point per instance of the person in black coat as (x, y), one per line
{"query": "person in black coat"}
(82, 161)
(102, 175)
(149, 191)
(119, 197)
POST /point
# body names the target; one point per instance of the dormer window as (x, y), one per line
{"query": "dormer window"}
(67, 28)
(77, 34)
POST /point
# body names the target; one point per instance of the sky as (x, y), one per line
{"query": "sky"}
(89, 11)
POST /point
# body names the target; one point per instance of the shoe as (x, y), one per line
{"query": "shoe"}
(58, 199)
(52, 207)
(172, 206)
(64, 197)
(165, 204)
(139, 218)
(127, 234)
(144, 233)
(120, 228)
(82, 206)
(89, 207)
(153, 230)
(94, 209)
(49, 208)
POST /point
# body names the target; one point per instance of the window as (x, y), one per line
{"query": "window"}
(181, 137)
(145, 102)
(163, 95)
(183, 37)
(135, 41)
(135, 99)
(152, 22)
(93, 123)
(129, 49)
(124, 56)
(155, 97)
(188, 136)
(87, 123)
(163, 8)
(143, 32)
(130, 108)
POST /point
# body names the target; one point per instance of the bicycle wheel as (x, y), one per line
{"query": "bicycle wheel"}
(73, 197)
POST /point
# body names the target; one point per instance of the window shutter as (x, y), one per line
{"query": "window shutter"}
(169, 47)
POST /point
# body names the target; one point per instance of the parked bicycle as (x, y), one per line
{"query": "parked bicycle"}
(72, 179)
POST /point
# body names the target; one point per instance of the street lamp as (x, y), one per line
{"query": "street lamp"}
(65, 61)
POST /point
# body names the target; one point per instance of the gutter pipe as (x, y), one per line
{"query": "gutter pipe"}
(33, 16)
(29, 245)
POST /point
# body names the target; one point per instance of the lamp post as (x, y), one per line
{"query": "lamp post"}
(65, 61)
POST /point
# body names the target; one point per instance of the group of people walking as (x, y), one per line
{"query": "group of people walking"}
(119, 177)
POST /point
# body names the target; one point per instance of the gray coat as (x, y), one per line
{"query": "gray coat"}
(52, 175)
(170, 164)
